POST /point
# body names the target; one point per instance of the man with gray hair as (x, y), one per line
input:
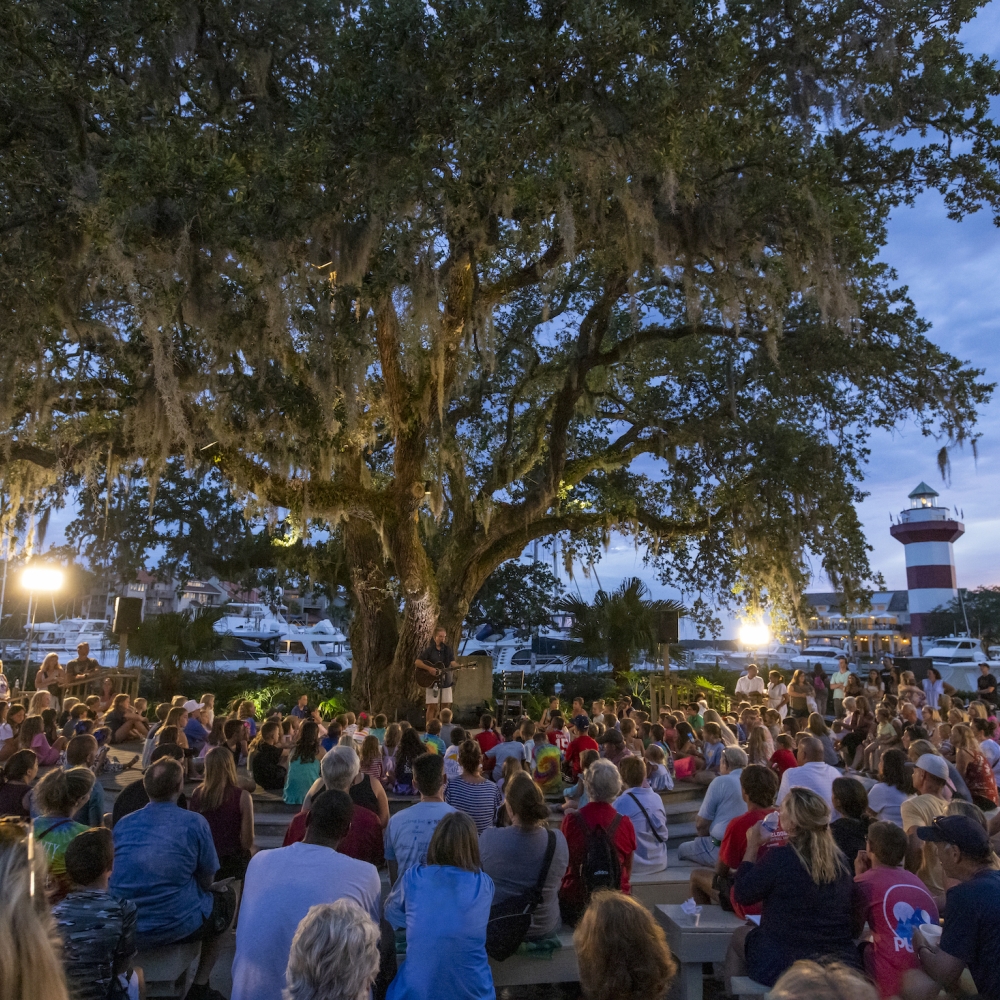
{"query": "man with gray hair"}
(812, 773)
(723, 802)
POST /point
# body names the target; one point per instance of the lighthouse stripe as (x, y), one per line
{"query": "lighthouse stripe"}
(929, 599)
(929, 554)
(920, 577)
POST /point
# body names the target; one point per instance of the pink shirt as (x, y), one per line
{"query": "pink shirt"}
(46, 753)
(894, 902)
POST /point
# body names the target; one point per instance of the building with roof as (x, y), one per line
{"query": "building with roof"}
(884, 628)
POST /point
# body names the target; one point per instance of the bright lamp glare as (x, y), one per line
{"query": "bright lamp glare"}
(755, 634)
(41, 578)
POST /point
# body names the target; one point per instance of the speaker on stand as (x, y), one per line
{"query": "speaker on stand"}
(128, 618)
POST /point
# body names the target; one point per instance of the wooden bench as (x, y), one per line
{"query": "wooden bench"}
(744, 986)
(692, 944)
(169, 971)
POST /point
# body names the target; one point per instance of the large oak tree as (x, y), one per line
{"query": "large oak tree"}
(459, 276)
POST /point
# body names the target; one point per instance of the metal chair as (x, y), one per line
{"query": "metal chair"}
(512, 692)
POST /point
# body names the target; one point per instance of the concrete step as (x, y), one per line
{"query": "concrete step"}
(678, 833)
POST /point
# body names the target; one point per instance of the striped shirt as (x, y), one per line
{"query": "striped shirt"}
(480, 800)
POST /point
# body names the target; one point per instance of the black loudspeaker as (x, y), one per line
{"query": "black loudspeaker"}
(128, 614)
(666, 627)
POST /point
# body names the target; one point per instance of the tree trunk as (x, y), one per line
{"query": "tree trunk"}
(375, 623)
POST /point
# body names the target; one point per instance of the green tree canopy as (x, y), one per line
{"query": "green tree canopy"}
(459, 276)
(516, 595)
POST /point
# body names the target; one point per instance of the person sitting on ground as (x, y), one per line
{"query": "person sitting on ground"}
(444, 906)
(266, 758)
(509, 748)
(58, 797)
(76, 714)
(930, 776)
(470, 792)
(10, 741)
(972, 914)
(657, 771)
(760, 746)
(806, 891)
(723, 802)
(124, 722)
(303, 764)
(83, 751)
(621, 950)
(32, 737)
(513, 855)
(580, 742)
(885, 894)
(452, 766)
(758, 786)
(613, 746)
(165, 862)
(229, 812)
(339, 771)
(281, 885)
(97, 928)
(431, 739)
(410, 748)
(596, 821)
(16, 777)
(850, 830)
(372, 762)
(334, 954)
(444, 733)
(410, 830)
(195, 730)
(784, 754)
(644, 808)
(627, 729)
(811, 773)
(575, 797)
(826, 981)
(892, 789)
(162, 710)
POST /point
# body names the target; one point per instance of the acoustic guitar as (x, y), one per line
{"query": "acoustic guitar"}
(429, 676)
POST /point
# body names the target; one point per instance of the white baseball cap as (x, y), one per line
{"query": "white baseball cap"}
(193, 706)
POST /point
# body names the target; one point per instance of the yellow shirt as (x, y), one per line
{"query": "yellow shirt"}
(922, 810)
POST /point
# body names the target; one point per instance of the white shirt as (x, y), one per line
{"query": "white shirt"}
(884, 800)
(933, 690)
(816, 776)
(750, 685)
(452, 768)
(409, 833)
(775, 692)
(723, 801)
(650, 852)
(281, 885)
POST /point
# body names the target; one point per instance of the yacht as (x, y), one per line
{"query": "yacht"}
(825, 655)
(62, 638)
(957, 658)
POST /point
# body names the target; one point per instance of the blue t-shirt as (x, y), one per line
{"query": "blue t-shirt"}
(196, 734)
(163, 854)
(971, 919)
(502, 751)
(409, 833)
(713, 754)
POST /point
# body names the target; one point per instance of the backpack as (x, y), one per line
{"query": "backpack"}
(510, 920)
(600, 868)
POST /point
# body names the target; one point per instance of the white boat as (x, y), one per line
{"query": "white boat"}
(825, 655)
(957, 658)
(62, 638)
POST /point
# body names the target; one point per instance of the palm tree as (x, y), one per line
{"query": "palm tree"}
(620, 625)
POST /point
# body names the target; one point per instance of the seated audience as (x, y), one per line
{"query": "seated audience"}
(972, 914)
(509, 748)
(124, 722)
(893, 902)
(930, 776)
(165, 863)
(444, 906)
(723, 801)
(267, 758)
(16, 777)
(410, 830)
(133, 796)
(580, 742)
(83, 751)
(97, 928)
(513, 855)
(334, 954)
(806, 891)
(410, 748)
(368, 793)
(975, 769)
(621, 950)
(229, 812)
(892, 789)
(644, 808)
(58, 796)
(784, 754)
(303, 764)
(280, 887)
(811, 773)
(32, 737)
(828, 981)
(850, 831)
(470, 792)
(598, 822)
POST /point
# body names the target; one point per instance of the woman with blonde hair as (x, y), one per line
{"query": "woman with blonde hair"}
(229, 811)
(40, 701)
(621, 950)
(806, 892)
(974, 768)
(30, 949)
(760, 746)
(444, 906)
(832, 981)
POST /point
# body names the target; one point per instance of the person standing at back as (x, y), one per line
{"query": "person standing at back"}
(282, 884)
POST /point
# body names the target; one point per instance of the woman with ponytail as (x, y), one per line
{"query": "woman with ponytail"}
(802, 880)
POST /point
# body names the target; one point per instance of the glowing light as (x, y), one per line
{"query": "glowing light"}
(755, 634)
(42, 578)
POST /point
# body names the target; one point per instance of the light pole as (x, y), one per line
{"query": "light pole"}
(36, 580)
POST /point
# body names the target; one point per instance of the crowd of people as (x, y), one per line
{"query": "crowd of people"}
(842, 838)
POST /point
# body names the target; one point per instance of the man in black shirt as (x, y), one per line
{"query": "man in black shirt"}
(84, 662)
(987, 684)
(438, 658)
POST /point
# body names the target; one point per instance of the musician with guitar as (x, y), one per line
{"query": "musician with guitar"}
(434, 669)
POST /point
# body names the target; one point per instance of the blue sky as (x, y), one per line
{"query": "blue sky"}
(953, 273)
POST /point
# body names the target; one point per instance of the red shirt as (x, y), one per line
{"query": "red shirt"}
(364, 840)
(734, 846)
(781, 760)
(487, 740)
(576, 748)
(595, 815)
(558, 738)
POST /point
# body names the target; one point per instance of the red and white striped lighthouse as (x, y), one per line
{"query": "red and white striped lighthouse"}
(928, 531)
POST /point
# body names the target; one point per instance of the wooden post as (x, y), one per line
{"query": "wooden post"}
(122, 650)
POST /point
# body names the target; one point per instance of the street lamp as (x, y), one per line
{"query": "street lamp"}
(37, 580)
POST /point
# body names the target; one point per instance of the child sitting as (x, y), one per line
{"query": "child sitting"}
(576, 795)
(452, 767)
(784, 755)
(546, 760)
(371, 758)
(431, 739)
(657, 773)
